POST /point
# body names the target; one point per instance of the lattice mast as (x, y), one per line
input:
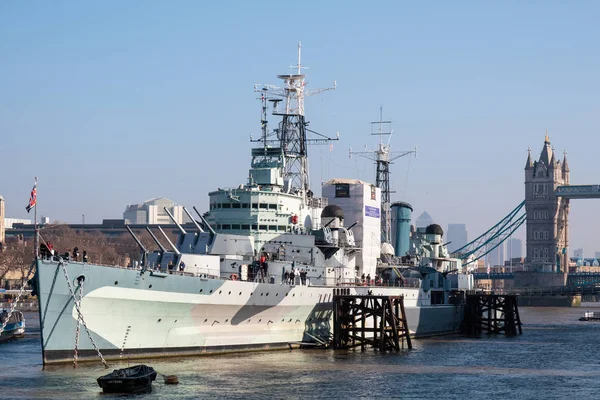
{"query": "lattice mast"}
(383, 157)
(291, 133)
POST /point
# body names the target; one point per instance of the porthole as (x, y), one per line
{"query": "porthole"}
(230, 292)
(240, 293)
(267, 294)
(220, 291)
(259, 320)
(200, 290)
(150, 287)
(261, 294)
(116, 283)
(210, 291)
(160, 319)
(206, 320)
(175, 321)
(227, 320)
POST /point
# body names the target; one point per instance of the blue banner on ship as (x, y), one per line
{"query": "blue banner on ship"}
(371, 212)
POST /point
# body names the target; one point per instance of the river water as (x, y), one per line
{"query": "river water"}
(557, 357)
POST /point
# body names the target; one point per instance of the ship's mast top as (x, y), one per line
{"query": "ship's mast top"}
(292, 129)
(383, 157)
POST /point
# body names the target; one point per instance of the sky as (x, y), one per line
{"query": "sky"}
(112, 103)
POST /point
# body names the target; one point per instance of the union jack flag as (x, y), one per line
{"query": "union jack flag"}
(33, 197)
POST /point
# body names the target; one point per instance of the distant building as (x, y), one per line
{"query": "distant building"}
(2, 227)
(514, 248)
(496, 256)
(424, 220)
(457, 236)
(153, 212)
(597, 255)
(578, 253)
(9, 222)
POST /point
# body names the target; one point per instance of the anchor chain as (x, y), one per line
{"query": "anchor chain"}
(80, 315)
(14, 304)
(75, 354)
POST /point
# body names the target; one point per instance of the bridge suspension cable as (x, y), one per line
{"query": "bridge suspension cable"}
(493, 237)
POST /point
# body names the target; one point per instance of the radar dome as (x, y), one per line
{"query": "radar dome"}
(434, 229)
(332, 211)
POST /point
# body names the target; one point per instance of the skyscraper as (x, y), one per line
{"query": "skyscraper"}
(424, 220)
(457, 236)
(514, 248)
(578, 253)
(496, 256)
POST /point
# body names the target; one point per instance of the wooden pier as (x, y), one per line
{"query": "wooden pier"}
(492, 313)
(376, 321)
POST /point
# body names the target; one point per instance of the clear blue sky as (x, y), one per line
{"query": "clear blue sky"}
(114, 102)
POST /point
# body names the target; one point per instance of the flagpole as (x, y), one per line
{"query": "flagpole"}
(35, 229)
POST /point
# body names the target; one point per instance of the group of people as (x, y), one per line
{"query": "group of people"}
(291, 277)
(47, 251)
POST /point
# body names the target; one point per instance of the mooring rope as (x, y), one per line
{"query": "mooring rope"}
(75, 354)
(80, 314)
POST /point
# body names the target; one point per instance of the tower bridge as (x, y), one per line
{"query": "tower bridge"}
(545, 211)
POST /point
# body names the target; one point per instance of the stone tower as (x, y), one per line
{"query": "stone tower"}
(547, 214)
(1, 219)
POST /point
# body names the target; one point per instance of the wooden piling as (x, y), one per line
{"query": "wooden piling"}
(376, 321)
(492, 313)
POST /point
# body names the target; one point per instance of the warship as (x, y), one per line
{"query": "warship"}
(260, 267)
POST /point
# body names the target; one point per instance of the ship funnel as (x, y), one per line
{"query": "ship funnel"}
(169, 241)
(162, 248)
(183, 232)
(193, 220)
(402, 214)
(205, 222)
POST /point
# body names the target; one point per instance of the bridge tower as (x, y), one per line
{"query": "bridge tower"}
(547, 213)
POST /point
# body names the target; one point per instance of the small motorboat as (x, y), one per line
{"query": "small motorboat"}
(15, 327)
(136, 379)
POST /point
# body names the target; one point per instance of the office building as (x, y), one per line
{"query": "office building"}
(153, 212)
(457, 236)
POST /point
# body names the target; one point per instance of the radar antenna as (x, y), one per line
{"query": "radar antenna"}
(383, 157)
(291, 133)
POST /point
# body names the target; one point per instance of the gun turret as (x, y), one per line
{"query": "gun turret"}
(162, 248)
(169, 240)
(205, 222)
(183, 232)
(193, 220)
(144, 251)
(136, 240)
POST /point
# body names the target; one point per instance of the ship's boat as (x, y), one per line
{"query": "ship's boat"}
(136, 379)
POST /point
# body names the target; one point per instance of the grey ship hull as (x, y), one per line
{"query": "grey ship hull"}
(134, 314)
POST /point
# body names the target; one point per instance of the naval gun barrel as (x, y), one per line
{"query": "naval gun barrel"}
(136, 239)
(169, 240)
(162, 248)
(205, 222)
(183, 232)
(193, 220)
